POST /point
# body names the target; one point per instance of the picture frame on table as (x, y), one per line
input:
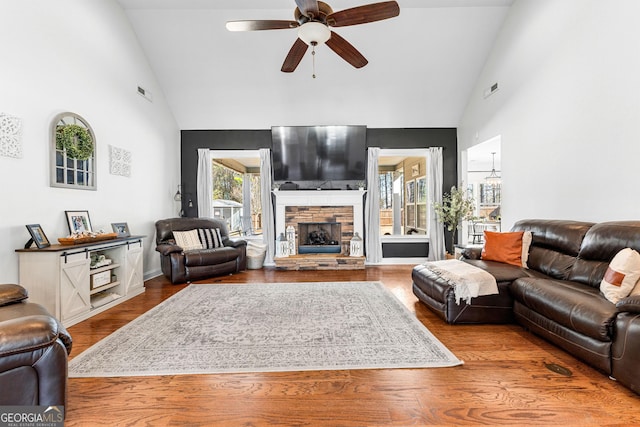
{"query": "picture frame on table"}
(122, 228)
(78, 221)
(37, 236)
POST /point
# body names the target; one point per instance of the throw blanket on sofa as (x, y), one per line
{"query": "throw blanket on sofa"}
(467, 280)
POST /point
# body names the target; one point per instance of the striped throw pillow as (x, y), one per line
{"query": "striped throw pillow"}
(187, 240)
(210, 238)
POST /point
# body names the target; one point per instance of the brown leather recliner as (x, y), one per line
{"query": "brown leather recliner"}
(181, 266)
(34, 348)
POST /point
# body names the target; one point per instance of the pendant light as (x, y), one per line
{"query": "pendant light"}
(493, 178)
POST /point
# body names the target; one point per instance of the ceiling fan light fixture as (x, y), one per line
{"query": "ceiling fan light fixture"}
(310, 32)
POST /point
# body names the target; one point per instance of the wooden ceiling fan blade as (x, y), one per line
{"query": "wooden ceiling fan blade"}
(260, 25)
(364, 14)
(308, 8)
(294, 56)
(346, 51)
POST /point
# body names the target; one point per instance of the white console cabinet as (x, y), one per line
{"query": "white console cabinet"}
(60, 277)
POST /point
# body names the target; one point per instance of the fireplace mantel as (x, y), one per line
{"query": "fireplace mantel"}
(354, 198)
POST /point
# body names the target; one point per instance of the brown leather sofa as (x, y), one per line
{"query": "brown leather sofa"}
(181, 266)
(558, 297)
(34, 348)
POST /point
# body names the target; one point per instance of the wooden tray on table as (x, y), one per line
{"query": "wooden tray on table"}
(88, 239)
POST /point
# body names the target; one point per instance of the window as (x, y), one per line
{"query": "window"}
(421, 203)
(489, 195)
(236, 191)
(73, 153)
(403, 192)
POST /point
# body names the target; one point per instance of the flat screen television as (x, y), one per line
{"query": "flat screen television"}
(318, 153)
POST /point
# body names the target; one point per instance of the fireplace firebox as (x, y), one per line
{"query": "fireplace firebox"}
(319, 237)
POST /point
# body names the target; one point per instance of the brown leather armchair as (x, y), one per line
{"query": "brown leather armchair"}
(181, 266)
(34, 348)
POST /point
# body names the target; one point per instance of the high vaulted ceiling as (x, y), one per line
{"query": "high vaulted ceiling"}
(422, 64)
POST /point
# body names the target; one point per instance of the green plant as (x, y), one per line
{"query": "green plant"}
(75, 140)
(454, 209)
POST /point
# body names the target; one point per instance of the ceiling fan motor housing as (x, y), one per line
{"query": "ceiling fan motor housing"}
(323, 11)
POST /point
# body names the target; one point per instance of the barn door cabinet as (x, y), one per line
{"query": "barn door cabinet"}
(62, 279)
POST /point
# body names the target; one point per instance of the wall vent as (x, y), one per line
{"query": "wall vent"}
(144, 93)
(491, 90)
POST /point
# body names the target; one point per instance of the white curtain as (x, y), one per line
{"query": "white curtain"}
(247, 227)
(205, 184)
(372, 209)
(268, 225)
(434, 190)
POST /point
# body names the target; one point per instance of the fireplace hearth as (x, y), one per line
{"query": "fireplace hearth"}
(319, 237)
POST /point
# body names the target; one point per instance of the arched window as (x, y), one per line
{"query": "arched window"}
(73, 153)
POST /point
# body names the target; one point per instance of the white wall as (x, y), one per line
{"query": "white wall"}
(81, 56)
(567, 109)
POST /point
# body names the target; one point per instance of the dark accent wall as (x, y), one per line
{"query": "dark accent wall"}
(191, 140)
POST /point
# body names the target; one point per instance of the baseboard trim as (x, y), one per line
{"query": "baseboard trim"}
(151, 274)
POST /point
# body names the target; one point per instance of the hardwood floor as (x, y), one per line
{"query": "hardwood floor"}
(503, 381)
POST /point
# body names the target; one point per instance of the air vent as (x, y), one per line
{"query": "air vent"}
(145, 93)
(558, 369)
(491, 90)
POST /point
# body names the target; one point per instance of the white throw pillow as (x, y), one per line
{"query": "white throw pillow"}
(527, 237)
(621, 276)
(187, 240)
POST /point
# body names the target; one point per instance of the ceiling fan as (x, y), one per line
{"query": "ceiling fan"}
(313, 19)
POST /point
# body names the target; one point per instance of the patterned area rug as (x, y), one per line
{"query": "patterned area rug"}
(207, 329)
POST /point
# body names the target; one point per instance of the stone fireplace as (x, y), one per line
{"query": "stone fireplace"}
(337, 221)
(345, 207)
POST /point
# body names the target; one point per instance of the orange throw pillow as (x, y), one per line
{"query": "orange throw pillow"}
(503, 247)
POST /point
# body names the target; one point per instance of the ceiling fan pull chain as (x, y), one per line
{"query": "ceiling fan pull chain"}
(313, 57)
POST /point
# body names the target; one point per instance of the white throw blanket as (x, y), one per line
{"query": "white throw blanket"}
(467, 280)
